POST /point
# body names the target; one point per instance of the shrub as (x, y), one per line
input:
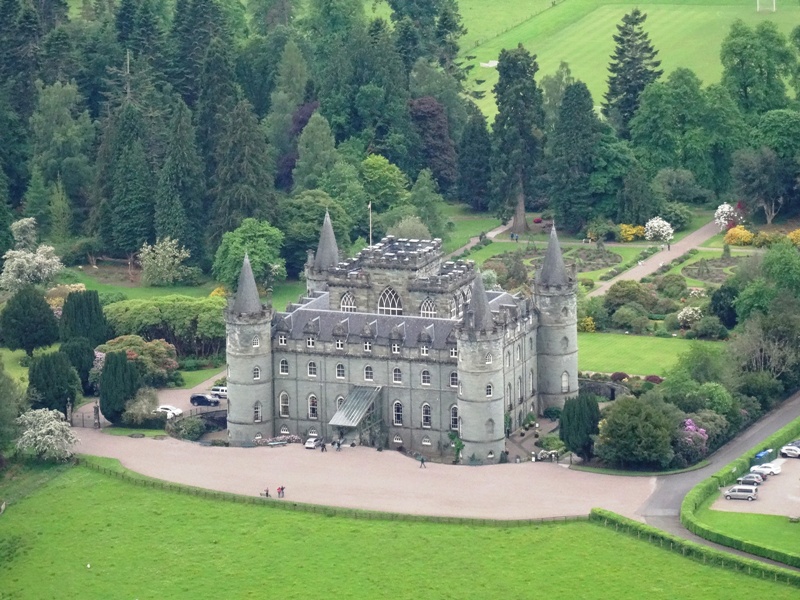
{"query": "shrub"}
(794, 237)
(626, 316)
(765, 239)
(537, 220)
(672, 285)
(551, 442)
(671, 322)
(738, 236)
(664, 306)
(619, 376)
(107, 298)
(623, 292)
(552, 412)
(587, 283)
(628, 233)
(690, 335)
(586, 325)
(140, 409)
(190, 428)
(689, 315)
(654, 379)
(676, 214)
(710, 328)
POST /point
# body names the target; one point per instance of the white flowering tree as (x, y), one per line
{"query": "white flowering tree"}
(162, 263)
(46, 434)
(658, 230)
(27, 263)
(689, 315)
(726, 216)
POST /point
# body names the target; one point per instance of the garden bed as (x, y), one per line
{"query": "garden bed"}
(714, 270)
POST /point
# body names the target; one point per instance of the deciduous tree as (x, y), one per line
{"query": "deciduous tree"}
(635, 434)
(46, 434)
(261, 242)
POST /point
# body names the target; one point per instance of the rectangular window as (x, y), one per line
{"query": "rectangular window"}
(340, 344)
(423, 350)
(453, 352)
(395, 348)
(281, 339)
(312, 369)
(426, 378)
(367, 346)
(284, 405)
(284, 367)
(340, 371)
(310, 342)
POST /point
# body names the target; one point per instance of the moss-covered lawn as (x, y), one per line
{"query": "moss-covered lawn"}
(86, 535)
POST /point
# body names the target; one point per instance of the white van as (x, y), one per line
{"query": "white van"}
(220, 391)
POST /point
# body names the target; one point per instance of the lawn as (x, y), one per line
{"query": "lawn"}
(128, 431)
(634, 354)
(770, 531)
(194, 378)
(466, 228)
(686, 34)
(86, 535)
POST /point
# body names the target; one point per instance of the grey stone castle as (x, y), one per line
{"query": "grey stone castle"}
(397, 347)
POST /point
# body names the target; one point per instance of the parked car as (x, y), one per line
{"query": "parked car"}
(791, 451)
(172, 411)
(751, 479)
(204, 400)
(742, 492)
(313, 442)
(220, 391)
(768, 468)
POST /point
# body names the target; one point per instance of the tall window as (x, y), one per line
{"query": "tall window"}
(454, 418)
(565, 382)
(257, 412)
(313, 407)
(284, 367)
(427, 308)
(489, 390)
(348, 303)
(368, 375)
(508, 359)
(312, 369)
(340, 371)
(340, 344)
(397, 375)
(427, 416)
(281, 339)
(395, 348)
(531, 376)
(256, 373)
(256, 341)
(284, 404)
(389, 303)
(397, 414)
(453, 379)
(310, 342)
(519, 352)
(426, 377)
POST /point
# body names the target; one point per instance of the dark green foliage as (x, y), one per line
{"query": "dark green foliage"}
(119, 383)
(316, 154)
(190, 428)
(27, 322)
(553, 87)
(132, 202)
(125, 21)
(12, 403)
(474, 159)
(80, 354)
(407, 42)
(54, 380)
(676, 214)
(82, 317)
(37, 201)
(623, 292)
(763, 180)
(437, 150)
(256, 66)
(24, 62)
(13, 152)
(633, 66)
(710, 328)
(678, 186)
(552, 412)
(579, 420)
(635, 201)
(636, 434)
(261, 242)
(723, 302)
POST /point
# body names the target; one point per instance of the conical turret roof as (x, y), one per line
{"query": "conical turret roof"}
(327, 251)
(246, 300)
(553, 271)
(479, 305)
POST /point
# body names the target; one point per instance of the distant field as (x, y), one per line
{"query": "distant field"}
(633, 354)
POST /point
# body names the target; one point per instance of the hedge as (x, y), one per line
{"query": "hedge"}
(692, 550)
(704, 490)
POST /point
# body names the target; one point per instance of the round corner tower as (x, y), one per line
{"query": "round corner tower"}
(480, 380)
(556, 298)
(248, 326)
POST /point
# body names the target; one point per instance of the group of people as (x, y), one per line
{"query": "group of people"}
(281, 492)
(324, 448)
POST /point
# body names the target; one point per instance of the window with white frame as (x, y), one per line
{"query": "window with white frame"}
(531, 376)
(339, 402)
(397, 413)
(389, 303)
(281, 339)
(312, 432)
(256, 341)
(367, 346)
(395, 348)
(340, 344)
(453, 379)
(368, 374)
(565, 382)
(310, 341)
(313, 407)
(398, 440)
(508, 359)
(453, 352)
(427, 308)
(519, 352)
(426, 441)
(460, 388)
(257, 412)
(425, 377)
(256, 373)
(397, 375)
(284, 430)
(284, 367)
(283, 401)
(454, 418)
(427, 416)
(489, 390)
(340, 371)
(489, 358)
(423, 350)
(312, 369)
(348, 303)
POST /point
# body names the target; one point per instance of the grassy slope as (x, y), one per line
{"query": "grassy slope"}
(770, 531)
(633, 354)
(144, 543)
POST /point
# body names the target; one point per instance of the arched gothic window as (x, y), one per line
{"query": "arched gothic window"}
(454, 379)
(256, 341)
(427, 416)
(564, 382)
(489, 358)
(284, 367)
(397, 413)
(313, 407)
(454, 418)
(397, 375)
(284, 404)
(368, 374)
(348, 303)
(312, 369)
(339, 402)
(256, 373)
(257, 412)
(427, 308)
(340, 371)
(389, 303)
(425, 377)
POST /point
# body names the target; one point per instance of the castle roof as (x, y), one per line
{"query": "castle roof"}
(479, 306)
(246, 300)
(553, 271)
(327, 255)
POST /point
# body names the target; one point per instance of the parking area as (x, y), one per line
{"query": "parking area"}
(779, 495)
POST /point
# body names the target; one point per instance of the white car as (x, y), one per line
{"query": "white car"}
(791, 451)
(768, 468)
(172, 411)
(312, 443)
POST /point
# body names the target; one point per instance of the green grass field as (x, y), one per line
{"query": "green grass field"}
(634, 354)
(686, 33)
(770, 531)
(86, 535)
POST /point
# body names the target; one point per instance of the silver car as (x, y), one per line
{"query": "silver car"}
(742, 492)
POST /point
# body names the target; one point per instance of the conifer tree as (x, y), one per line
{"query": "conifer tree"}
(82, 317)
(131, 203)
(125, 22)
(406, 40)
(55, 380)
(27, 321)
(147, 37)
(37, 200)
(119, 383)
(25, 61)
(80, 354)
(518, 131)
(288, 95)
(474, 159)
(579, 422)
(437, 150)
(316, 154)
(633, 66)
(60, 213)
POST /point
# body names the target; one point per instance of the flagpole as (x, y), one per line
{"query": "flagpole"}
(370, 223)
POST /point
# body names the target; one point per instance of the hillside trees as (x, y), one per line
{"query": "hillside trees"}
(80, 354)
(316, 154)
(83, 317)
(27, 322)
(53, 382)
(436, 147)
(474, 159)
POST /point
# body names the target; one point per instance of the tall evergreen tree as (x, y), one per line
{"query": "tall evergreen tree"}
(37, 201)
(633, 66)
(436, 147)
(131, 202)
(52, 13)
(125, 21)
(119, 383)
(518, 131)
(316, 154)
(14, 150)
(147, 38)
(579, 422)
(287, 96)
(636, 201)
(58, 56)
(55, 380)
(25, 61)
(270, 14)
(257, 67)
(429, 204)
(82, 317)
(60, 213)
(572, 158)
(553, 88)
(406, 40)
(80, 355)
(474, 159)
(28, 322)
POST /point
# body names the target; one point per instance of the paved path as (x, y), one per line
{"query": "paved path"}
(474, 240)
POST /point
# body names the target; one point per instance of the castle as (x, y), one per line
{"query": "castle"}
(397, 347)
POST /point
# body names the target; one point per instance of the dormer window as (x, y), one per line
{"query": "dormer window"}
(367, 346)
(281, 339)
(340, 344)
(395, 348)
(310, 341)
(454, 352)
(423, 350)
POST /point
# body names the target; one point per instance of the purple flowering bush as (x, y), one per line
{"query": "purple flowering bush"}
(690, 445)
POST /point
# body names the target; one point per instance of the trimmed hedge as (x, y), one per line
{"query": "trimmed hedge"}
(706, 489)
(691, 550)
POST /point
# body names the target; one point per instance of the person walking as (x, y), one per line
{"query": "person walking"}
(266, 493)
(422, 462)
(324, 447)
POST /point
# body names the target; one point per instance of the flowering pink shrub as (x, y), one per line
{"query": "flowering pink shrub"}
(654, 379)
(619, 376)
(690, 445)
(537, 220)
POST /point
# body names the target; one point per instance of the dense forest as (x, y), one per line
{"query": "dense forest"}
(131, 122)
